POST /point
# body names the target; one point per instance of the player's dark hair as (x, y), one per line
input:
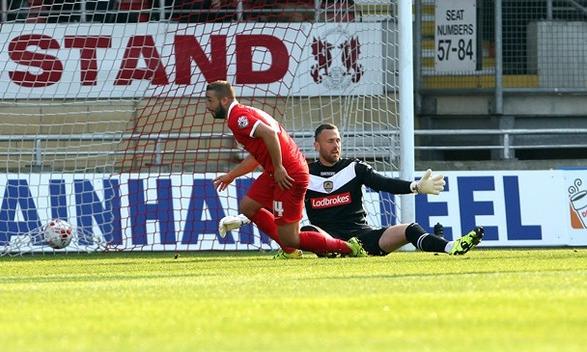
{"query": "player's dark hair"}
(221, 89)
(322, 127)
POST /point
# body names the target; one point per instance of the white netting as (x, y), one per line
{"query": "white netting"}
(103, 121)
(35, 241)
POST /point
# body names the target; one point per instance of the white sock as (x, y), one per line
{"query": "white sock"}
(449, 246)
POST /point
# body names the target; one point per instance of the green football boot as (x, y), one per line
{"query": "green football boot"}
(356, 247)
(467, 242)
(297, 254)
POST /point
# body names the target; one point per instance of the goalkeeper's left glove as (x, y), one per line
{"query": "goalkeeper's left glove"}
(229, 223)
(428, 184)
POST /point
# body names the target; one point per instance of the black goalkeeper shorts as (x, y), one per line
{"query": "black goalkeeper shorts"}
(369, 239)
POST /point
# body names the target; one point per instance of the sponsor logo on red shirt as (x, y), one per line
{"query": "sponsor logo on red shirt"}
(331, 201)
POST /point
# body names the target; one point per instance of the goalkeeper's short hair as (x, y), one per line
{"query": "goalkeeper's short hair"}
(322, 127)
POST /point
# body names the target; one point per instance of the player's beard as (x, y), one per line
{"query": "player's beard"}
(220, 113)
(331, 158)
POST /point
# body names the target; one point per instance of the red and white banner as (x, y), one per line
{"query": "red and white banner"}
(168, 59)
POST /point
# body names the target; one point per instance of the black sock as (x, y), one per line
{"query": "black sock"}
(423, 240)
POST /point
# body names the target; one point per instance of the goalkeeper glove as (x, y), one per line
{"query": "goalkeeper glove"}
(429, 184)
(229, 223)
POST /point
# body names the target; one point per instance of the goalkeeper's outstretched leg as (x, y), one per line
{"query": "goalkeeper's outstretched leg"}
(383, 241)
(397, 236)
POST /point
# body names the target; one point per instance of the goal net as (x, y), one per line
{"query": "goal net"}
(103, 121)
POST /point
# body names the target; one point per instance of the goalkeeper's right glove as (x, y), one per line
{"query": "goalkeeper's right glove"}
(429, 184)
(229, 223)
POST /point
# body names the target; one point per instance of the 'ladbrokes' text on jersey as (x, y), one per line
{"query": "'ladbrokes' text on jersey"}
(334, 200)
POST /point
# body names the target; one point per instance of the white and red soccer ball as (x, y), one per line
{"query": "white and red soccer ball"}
(57, 233)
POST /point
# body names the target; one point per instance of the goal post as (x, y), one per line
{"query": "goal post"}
(406, 103)
(103, 121)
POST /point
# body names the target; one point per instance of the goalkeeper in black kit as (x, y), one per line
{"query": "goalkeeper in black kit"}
(334, 202)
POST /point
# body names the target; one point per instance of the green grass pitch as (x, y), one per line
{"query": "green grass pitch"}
(488, 300)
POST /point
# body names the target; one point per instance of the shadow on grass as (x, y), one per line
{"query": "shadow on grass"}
(420, 275)
(200, 255)
(102, 278)
(182, 257)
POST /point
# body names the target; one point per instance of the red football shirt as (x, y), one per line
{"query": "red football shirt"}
(243, 120)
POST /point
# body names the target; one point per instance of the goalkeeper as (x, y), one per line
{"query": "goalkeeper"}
(334, 202)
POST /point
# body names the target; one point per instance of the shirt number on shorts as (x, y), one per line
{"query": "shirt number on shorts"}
(277, 208)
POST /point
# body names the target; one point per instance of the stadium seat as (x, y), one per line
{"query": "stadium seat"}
(339, 11)
(36, 15)
(63, 11)
(134, 5)
(277, 11)
(194, 11)
(101, 10)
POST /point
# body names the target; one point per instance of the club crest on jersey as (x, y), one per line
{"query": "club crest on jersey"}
(328, 186)
(242, 122)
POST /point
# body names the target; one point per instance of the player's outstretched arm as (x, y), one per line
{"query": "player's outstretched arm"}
(429, 184)
(249, 164)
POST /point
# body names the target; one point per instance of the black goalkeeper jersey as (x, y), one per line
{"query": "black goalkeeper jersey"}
(334, 200)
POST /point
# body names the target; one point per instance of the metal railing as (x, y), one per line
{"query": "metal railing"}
(158, 151)
(378, 148)
(506, 146)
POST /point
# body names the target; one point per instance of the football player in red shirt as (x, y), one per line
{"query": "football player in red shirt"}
(275, 201)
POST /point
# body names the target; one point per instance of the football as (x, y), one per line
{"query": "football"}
(57, 233)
